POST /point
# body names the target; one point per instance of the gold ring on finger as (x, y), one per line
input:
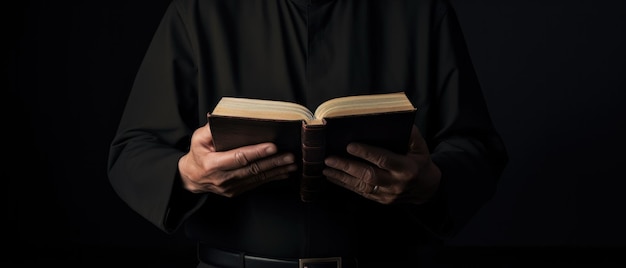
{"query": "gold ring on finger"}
(374, 190)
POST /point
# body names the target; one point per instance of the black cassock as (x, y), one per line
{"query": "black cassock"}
(307, 52)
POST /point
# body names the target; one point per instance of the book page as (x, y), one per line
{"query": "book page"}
(364, 104)
(261, 109)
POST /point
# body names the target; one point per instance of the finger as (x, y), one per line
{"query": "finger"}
(369, 190)
(244, 156)
(417, 144)
(248, 183)
(355, 169)
(347, 181)
(236, 181)
(378, 156)
(264, 169)
(202, 136)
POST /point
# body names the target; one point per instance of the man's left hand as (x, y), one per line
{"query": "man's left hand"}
(387, 177)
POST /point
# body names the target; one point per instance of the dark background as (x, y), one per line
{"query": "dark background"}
(553, 73)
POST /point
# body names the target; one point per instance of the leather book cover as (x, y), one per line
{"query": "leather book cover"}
(388, 130)
(233, 132)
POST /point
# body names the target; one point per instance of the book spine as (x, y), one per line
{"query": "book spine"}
(313, 154)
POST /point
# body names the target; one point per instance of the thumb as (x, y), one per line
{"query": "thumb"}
(417, 144)
(203, 137)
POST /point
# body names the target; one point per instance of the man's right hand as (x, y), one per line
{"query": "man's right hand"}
(233, 172)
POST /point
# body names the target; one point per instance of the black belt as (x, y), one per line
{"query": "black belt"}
(228, 259)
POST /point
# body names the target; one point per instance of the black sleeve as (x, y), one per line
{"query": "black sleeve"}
(460, 133)
(155, 129)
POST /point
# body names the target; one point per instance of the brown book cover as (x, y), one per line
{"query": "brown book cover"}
(313, 140)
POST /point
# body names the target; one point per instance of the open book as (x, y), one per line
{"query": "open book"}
(383, 120)
(341, 106)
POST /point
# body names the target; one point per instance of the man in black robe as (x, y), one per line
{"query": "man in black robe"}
(243, 205)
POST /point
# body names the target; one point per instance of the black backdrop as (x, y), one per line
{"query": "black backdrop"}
(553, 73)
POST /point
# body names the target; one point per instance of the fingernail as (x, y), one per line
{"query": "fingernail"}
(329, 162)
(288, 159)
(351, 148)
(270, 150)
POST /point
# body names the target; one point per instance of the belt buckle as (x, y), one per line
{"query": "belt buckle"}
(302, 263)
